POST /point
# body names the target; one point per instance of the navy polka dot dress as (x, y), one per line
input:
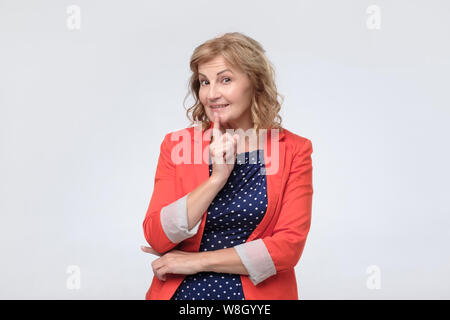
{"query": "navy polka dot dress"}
(232, 216)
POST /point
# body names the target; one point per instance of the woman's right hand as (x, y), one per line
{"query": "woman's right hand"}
(223, 151)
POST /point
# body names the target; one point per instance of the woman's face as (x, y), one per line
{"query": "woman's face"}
(221, 84)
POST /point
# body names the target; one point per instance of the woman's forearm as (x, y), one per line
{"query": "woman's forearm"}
(222, 261)
(199, 199)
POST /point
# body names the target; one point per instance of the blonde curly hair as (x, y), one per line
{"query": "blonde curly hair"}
(246, 54)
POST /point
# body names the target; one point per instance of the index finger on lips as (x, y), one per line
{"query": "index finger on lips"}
(217, 132)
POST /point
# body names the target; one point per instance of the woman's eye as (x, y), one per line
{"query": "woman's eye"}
(201, 81)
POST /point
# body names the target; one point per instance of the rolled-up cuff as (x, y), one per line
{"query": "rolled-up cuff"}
(174, 221)
(257, 260)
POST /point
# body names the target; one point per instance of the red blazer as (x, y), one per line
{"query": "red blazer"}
(282, 232)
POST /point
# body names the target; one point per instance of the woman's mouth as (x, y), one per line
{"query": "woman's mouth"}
(219, 106)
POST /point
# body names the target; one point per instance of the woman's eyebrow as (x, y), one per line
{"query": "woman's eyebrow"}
(217, 72)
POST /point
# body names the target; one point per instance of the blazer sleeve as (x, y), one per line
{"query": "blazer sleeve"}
(282, 250)
(165, 224)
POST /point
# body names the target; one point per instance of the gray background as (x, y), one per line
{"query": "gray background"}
(83, 113)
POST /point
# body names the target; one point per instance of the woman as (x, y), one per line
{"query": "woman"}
(237, 230)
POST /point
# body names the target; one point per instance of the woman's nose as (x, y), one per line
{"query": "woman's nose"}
(213, 93)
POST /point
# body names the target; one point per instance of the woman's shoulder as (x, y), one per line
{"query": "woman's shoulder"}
(178, 135)
(296, 141)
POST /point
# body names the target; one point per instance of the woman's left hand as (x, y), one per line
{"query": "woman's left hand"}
(175, 261)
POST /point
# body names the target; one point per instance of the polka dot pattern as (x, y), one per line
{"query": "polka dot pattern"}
(232, 216)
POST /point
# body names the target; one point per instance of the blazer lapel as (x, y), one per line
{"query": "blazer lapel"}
(201, 144)
(274, 176)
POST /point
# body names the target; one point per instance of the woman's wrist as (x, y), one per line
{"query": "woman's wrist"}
(204, 261)
(217, 181)
(224, 260)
